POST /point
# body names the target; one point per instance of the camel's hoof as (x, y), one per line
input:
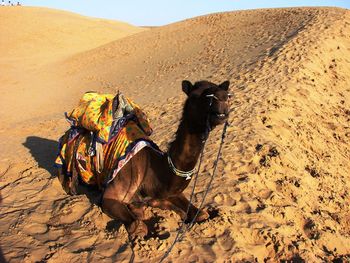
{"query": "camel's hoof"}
(202, 216)
(137, 229)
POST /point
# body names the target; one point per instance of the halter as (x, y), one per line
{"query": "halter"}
(212, 96)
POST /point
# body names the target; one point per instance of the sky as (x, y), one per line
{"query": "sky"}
(161, 12)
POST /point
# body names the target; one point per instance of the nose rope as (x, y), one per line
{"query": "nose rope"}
(182, 229)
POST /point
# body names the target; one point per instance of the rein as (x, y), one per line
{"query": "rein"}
(182, 230)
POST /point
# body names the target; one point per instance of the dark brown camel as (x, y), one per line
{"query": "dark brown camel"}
(149, 179)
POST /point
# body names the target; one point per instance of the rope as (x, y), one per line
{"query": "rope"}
(181, 228)
(182, 231)
(131, 244)
(212, 176)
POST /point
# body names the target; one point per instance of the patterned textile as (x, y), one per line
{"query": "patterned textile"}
(100, 113)
(103, 137)
(129, 141)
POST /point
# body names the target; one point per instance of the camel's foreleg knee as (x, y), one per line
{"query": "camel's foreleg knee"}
(130, 215)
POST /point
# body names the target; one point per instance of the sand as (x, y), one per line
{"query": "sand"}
(281, 191)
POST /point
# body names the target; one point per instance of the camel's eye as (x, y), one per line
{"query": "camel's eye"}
(229, 95)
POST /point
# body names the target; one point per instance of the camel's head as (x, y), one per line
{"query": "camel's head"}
(207, 103)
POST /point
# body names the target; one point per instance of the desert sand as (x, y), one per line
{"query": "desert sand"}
(282, 187)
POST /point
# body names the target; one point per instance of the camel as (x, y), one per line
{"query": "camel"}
(158, 180)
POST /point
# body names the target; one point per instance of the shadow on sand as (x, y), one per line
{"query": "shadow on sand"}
(44, 151)
(2, 259)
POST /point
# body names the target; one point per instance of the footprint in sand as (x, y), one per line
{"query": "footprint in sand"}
(226, 242)
(35, 229)
(70, 210)
(310, 229)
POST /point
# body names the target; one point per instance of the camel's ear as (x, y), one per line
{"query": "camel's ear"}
(187, 87)
(225, 85)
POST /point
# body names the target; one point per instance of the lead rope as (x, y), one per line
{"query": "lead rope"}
(131, 244)
(212, 176)
(182, 231)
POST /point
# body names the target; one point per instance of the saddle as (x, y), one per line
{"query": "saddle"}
(106, 131)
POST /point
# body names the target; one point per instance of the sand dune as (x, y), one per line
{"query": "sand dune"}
(38, 32)
(282, 187)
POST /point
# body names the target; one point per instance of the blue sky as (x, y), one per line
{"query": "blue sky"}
(161, 12)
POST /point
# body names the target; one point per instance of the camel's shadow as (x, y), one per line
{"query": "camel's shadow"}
(43, 151)
(2, 258)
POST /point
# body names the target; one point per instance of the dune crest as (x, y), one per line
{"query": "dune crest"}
(282, 186)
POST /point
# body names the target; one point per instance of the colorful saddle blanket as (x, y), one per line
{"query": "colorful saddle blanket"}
(106, 132)
(103, 114)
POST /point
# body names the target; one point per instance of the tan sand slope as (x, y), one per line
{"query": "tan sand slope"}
(38, 32)
(215, 46)
(282, 187)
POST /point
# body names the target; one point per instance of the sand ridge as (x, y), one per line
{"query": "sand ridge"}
(281, 192)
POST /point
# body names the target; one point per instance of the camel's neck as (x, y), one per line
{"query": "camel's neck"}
(184, 151)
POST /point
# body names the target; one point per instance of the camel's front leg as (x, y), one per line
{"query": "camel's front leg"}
(118, 202)
(167, 205)
(179, 204)
(131, 215)
(182, 202)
